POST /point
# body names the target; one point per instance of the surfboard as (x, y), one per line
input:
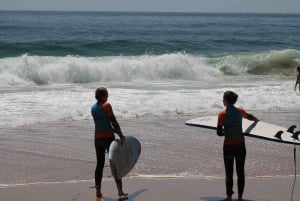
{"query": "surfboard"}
(260, 129)
(122, 158)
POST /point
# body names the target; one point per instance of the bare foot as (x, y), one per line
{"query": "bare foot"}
(98, 193)
(122, 194)
(228, 199)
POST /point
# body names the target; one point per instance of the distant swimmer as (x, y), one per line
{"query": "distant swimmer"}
(298, 78)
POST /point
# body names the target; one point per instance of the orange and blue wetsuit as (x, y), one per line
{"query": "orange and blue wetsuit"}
(102, 113)
(234, 145)
(104, 135)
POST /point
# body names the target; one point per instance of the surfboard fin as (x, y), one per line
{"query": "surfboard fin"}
(278, 135)
(291, 129)
(296, 135)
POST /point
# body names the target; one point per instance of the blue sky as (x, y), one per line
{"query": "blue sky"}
(260, 6)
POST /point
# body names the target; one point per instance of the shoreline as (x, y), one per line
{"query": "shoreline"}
(154, 177)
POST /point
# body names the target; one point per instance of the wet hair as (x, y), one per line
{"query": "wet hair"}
(230, 96)
(100, 93)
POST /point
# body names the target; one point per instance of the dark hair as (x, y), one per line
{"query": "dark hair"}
(100, 93)
(230, 97)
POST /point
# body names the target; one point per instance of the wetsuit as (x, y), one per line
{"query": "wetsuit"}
(104, 135)
(234, 146)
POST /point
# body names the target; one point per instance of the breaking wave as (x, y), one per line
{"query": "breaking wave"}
(42, 70)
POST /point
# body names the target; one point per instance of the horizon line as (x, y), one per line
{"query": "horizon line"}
(170, 12)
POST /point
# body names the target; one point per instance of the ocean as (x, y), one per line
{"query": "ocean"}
(160, 70)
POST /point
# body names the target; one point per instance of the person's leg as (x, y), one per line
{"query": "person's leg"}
(120, 187)
(100, 155)
(228, 162)
(119, 183)
(240, 169)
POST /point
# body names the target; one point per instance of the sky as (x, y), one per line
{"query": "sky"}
(237, 6)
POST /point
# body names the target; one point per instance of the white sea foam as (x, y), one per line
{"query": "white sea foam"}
(73, 102)
(40, 89)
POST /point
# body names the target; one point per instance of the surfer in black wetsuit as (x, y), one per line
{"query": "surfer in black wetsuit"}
(298, 78)
(230, 126)
(105, 127)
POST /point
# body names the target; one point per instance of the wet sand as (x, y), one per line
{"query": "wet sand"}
(61, 151)
(268, 189)
(64, 151)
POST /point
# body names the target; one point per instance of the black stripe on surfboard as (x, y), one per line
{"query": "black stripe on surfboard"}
(201, 126)
(272, 139)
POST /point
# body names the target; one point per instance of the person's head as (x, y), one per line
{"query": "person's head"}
(101, 94)
(298, 68)
(229, 98)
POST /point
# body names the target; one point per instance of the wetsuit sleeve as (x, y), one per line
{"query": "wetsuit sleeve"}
(247, 115)
(221, 118)
(243, 112)
(108, 109)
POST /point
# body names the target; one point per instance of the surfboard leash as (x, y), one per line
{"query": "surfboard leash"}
(295, 176)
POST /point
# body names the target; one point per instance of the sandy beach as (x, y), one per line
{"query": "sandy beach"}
(167, 189)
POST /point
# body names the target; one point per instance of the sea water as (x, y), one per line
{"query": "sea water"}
(156, 66)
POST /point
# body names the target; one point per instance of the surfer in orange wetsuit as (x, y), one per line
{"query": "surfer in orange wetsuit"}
(230, 126)
(105, 127)
(298, 78)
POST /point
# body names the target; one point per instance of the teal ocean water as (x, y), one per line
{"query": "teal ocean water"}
(98, 34)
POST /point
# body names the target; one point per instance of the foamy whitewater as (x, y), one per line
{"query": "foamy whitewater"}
(47, 88)
(160, 69)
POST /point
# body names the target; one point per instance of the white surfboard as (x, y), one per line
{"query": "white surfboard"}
(122, 158)
(258, 129)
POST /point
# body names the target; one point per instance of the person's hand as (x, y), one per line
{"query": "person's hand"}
(220, 131)
(220, 134)
(122, 138)
(256, 119)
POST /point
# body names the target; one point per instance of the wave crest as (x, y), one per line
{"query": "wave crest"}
(75, 69)
(176, 66)
(268, 62)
